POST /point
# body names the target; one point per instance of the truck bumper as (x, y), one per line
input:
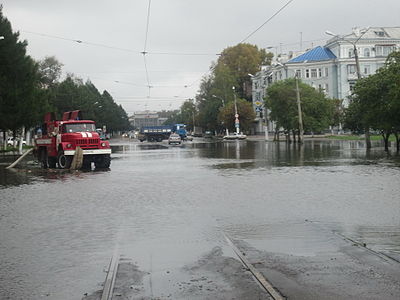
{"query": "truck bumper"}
(89, 151)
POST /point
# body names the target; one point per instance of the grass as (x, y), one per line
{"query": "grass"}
(392, 138)
(13, 149)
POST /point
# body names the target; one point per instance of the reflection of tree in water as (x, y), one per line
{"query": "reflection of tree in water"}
(278, 154)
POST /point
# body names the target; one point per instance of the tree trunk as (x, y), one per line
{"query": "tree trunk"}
(367, 139)
(276, 135)
(288, 139)
(294, 136)
(5, 139)
(386, 140)
(396, 134)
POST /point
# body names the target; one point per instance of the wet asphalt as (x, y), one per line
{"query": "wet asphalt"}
(319, 221)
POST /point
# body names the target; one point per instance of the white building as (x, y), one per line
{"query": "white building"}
(332, 68)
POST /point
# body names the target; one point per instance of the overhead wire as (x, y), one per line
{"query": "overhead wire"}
(269, 19)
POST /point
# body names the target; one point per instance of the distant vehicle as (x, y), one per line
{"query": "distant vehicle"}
(174, 138)
(12, 142)
(189, 138)
(208, 135)
(197, 131)
(235, 136)
(161, 132)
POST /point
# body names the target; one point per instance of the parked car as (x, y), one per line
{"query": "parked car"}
(174, 139)
(10, 141)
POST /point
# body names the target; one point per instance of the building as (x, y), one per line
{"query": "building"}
(145, 118)
(332, 68)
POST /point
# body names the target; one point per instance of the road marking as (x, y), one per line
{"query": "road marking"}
(257, 274)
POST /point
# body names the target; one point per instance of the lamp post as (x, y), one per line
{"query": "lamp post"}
(1, 37)
(354, 48)
(237, 123)
(367, 137)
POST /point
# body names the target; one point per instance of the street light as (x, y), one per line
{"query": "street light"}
(1, 37)
(223, 101)
(354, 47)
(237, 123)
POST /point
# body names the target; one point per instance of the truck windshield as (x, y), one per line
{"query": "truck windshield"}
(79, 127)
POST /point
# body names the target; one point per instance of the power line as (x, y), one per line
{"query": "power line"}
(282, 8)
(147, 27)
(78, 41)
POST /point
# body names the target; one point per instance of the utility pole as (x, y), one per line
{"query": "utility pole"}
(301, 130)
(237, 123)
(367, 136)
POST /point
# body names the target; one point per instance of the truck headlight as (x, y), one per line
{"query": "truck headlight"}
(69, 145)
(103, 144)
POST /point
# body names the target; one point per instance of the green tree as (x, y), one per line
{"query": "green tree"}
(73, 94)
(317, 111)
(376, 101)
(21, 101)
(49, 71)
(231, 70)
(242, 60)
(245, 111)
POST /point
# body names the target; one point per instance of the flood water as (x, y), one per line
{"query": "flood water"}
(164, 206)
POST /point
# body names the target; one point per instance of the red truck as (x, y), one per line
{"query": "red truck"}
(56, 141)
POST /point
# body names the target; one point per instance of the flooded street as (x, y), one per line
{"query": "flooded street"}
(167, 209)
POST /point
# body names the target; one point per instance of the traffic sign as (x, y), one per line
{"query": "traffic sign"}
(258, 103)
(236, 115)
(237, 125)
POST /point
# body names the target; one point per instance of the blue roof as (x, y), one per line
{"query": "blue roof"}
(317, 54)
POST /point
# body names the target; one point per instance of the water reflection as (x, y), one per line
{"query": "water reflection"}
(258, 154)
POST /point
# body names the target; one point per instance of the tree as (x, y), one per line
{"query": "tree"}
(73, 94)
(245, 111)
(49, 71)
(242, 60)
(21, 101)
(317, 111)
(376, 101)
(231, 70)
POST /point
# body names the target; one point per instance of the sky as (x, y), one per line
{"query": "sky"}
(183, 37)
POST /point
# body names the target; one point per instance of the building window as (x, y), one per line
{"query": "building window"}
(367, 52)
(351, 86)
(320, 87)
(280, 74)
(326, 88)
(351, 52)
(298, 73)
(367, 69)
(307, 73)
(384, 50)
(326, 72)
(319, 72)
(351, 69)
(313, 73)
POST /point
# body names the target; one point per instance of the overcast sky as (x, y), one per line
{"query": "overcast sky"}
(203, 27)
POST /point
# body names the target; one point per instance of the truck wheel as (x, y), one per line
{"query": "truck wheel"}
(64, 161)
(102, 161)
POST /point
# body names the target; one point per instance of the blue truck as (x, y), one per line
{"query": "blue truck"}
(161, 132)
